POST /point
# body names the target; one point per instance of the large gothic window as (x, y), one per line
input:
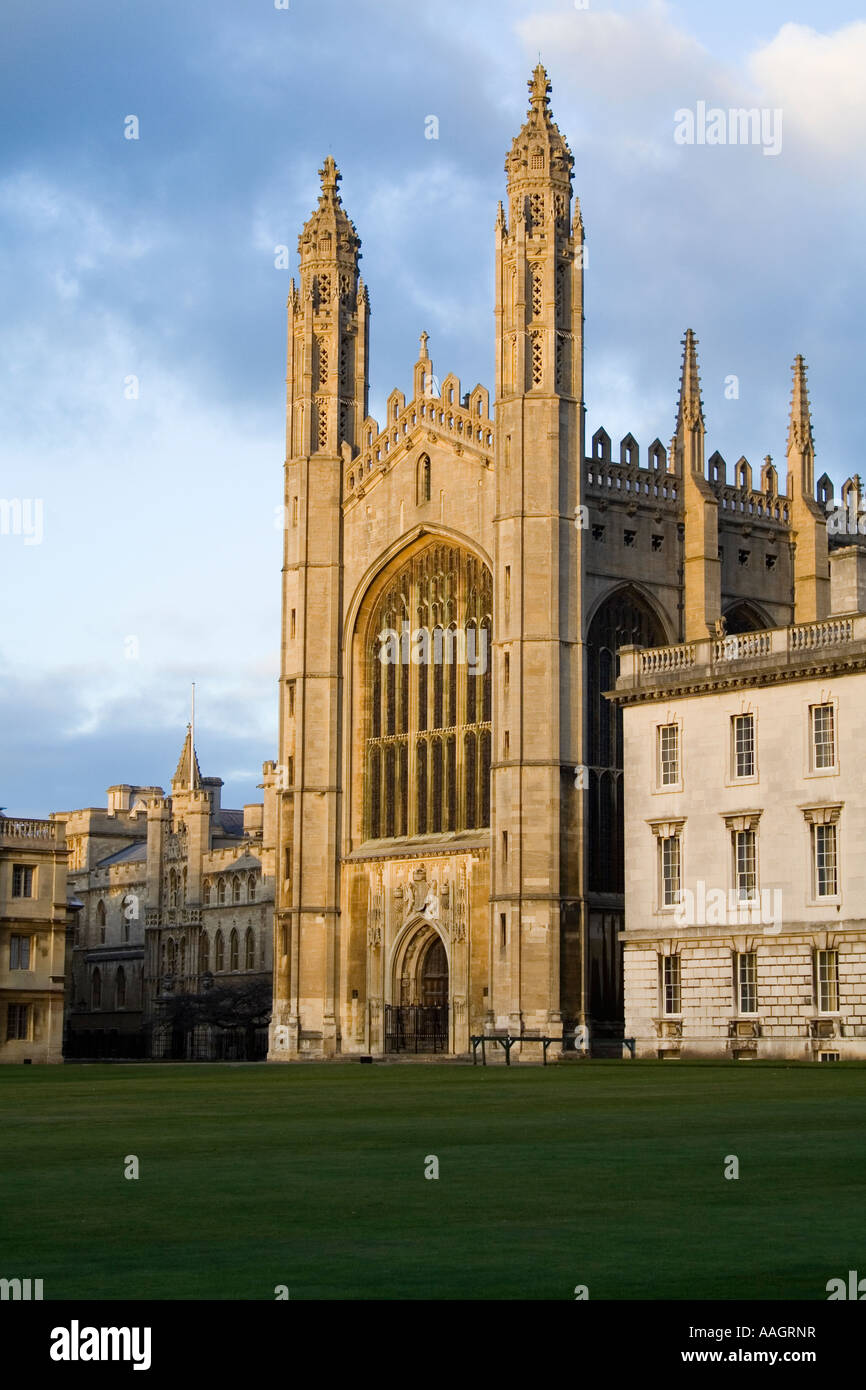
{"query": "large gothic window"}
(745, 617)
(428, 667)
(624, 619)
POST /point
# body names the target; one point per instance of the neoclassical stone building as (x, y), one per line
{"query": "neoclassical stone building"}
(34, 920)
(745, 922)
(450, 831)
(178, 896)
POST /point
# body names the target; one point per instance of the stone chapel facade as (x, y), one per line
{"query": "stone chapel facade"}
(457, 583)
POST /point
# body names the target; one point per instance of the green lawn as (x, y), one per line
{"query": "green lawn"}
(604, 1174)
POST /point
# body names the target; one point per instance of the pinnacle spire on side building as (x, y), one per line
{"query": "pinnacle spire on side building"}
(186, 777)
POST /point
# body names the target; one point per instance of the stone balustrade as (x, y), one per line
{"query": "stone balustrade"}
(12, 828)
(715, 654)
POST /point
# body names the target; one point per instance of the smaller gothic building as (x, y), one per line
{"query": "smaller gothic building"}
(172, 951)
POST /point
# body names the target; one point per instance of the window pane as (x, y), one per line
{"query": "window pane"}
(669, 757)
(19, 953)
(748, 982)
(825, 861)
(17, 1022)
(22, 881)
(828, 981)
(744, 745)
(823, 736)
(671, 871)
(746, 873)
(671, 980)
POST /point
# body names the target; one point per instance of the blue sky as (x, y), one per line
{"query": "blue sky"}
(159, 561)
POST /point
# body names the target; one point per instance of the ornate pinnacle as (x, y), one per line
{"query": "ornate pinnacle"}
(800, 428)
(691, 412)
(539, 88)
(330, 175)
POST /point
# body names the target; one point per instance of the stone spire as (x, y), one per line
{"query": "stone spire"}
(539, 89)
(800, 436)
(182, 780)
(329, 216)
(328, 331)
(539, 161)
(702, 599)
(690, 412)
(808, 523)
(423, 374)
(577, 227)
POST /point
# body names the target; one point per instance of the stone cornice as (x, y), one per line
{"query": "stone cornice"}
(451, 844)
(710, 681)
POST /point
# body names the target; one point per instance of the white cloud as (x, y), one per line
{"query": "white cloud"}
(630, 59)
(818, 81)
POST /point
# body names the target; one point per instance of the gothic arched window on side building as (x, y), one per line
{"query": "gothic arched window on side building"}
(428, 667)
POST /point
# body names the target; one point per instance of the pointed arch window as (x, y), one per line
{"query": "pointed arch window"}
(96, 989)
(221, 891)
(434, 688)
(624, 619)
(251, 888)
(233, 950)
(219, 952)
(236, 889)
(203, 953)
(249, 950)
(423, 480)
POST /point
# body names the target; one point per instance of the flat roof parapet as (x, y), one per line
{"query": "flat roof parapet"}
(753, 658)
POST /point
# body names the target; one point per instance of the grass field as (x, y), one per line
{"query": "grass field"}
(605, 1174)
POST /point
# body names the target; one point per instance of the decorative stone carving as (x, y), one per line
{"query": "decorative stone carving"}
(176, 843)
(376, 912)
(411, 897)
(430, 910)
(458, 927)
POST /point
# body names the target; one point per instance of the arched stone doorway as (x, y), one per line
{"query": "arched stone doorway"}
(417, 1019)
(433, 978)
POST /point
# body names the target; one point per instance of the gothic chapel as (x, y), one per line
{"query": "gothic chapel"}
(457, 583)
